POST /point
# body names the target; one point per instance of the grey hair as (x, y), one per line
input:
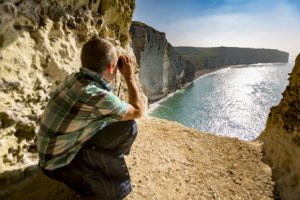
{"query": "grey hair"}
(97, 54)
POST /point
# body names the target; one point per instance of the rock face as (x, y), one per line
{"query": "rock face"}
(162, 69)
(281, 139)
(40, 44)
(217, 57)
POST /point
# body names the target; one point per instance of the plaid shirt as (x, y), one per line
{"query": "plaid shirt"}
(80, 106)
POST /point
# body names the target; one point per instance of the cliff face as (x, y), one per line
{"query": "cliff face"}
(162, 70)
(281, 139)
(216, 57)
(40, 44)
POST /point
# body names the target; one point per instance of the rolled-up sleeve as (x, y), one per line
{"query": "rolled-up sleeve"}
(112, 107)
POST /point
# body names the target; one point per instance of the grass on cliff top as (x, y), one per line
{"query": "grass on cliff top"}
(142, 24)
(139, 23)
(197, 55)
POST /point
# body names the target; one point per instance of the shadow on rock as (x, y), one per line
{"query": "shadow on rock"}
(30, 183)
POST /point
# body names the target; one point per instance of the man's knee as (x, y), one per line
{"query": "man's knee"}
(130, 127)
(114, 135)
(133, 127)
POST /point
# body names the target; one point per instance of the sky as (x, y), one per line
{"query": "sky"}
(234, 23)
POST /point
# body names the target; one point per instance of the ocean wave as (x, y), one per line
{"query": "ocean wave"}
(154, 106)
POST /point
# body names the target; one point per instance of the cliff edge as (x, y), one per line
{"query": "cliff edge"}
(281, 139)
(168, 161)
(161, 69)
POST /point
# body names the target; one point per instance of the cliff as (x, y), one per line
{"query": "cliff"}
(217, 57)
(281, 139)
(162, 69)
(40, 44)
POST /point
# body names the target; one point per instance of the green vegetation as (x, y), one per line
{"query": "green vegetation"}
(139, 23)
(197, 55)
(217, 57)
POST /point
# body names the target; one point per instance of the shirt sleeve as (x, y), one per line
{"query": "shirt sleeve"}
(111, 107)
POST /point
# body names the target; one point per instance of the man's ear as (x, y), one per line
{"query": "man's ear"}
(111, 68)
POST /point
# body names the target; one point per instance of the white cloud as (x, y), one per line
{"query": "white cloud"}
(278, 28)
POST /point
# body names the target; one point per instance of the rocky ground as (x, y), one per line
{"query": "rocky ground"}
(170, 161)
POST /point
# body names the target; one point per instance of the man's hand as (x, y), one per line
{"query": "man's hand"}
(127, 69)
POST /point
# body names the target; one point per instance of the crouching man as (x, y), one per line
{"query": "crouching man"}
(86, 130)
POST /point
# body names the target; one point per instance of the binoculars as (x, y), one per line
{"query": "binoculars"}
(120, 63)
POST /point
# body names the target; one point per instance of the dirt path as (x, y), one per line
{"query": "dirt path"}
(170, 161)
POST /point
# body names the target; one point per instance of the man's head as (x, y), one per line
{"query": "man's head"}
(100, 55)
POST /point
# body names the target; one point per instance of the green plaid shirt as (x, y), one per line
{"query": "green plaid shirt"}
(80, 106)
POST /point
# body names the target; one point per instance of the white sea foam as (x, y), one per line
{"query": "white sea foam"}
(215, 72)
(155, 105)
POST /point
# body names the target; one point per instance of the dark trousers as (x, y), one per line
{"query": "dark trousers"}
(99, 170)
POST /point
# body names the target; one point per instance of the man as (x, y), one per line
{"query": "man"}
(86, 130)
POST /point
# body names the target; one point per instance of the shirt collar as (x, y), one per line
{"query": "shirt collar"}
(96, 77)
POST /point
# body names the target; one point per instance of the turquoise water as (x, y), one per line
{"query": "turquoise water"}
(233, 102)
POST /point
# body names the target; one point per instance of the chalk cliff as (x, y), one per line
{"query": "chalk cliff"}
(217, 57)
(281, 139)
(162, 69)
(40, 44)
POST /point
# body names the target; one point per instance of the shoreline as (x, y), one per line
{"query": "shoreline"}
(154, 104)
(199, 74)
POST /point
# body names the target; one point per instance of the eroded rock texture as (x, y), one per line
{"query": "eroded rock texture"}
(282, 139)
(162, 69)
(40, 44)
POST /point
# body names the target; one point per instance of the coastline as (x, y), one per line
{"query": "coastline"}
(154, 104)
(203, 72)
(200, 73)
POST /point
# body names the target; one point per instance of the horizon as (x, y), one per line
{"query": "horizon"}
(228, 23)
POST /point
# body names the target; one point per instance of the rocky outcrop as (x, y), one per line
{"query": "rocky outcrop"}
(217, 57)
(40, 44)
(162, 70)
(281, 139)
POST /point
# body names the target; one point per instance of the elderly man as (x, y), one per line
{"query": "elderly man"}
(86, 130)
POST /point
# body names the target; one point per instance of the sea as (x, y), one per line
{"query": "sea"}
(234, 101)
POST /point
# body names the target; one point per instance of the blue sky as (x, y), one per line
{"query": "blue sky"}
(241, 23)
